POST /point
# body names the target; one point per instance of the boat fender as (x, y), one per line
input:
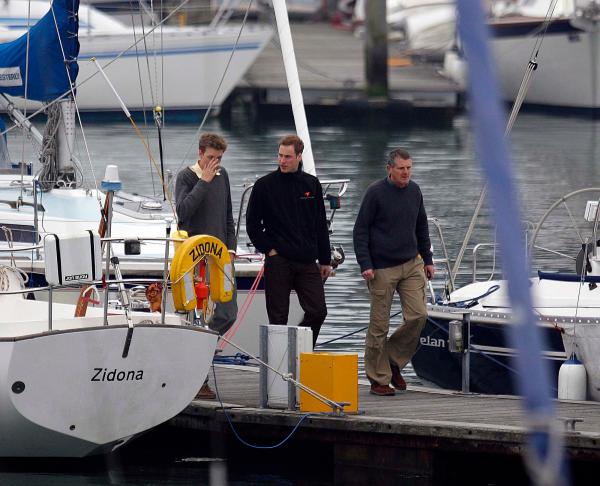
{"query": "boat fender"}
(572, 379)
(178, 235)
(188, 255)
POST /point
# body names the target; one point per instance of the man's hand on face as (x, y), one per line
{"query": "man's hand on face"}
(210, 171)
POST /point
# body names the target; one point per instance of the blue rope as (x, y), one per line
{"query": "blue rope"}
(248, 444)
(237, 359)
(489, 291)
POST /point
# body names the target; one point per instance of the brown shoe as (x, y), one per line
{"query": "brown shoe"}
(205, 393)
(382, 390)
(397, 381)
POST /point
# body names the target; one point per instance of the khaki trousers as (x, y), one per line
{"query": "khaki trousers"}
(408, 279)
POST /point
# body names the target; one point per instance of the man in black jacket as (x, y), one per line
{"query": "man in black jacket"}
(286, 221)
(393, 249)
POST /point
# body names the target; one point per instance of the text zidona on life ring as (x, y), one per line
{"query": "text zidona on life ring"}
(187, 256)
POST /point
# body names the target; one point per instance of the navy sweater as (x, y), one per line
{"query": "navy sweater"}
(391, 227)
(204, 208)
(286, 212)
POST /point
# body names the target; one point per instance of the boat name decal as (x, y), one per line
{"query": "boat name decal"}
(433, 342)
(102, 374)
(11, 76)
(81, 276)
(207, 248)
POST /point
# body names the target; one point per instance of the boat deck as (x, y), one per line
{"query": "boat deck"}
(426, 422)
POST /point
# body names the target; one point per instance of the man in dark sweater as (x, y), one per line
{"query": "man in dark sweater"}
(392, 246)
(203, 203)
(286, 221)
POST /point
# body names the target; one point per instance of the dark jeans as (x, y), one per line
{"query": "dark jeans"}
(281, 277)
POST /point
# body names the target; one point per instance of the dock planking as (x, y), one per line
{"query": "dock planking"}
(420, 423)
(331, 66)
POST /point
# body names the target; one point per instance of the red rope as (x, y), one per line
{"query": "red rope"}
(244, 309)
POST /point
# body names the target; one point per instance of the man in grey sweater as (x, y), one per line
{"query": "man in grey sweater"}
(203, 203)
(393, 249)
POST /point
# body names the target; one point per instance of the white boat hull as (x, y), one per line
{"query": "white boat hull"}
(185, 76)
(568, 73)
(178, 68)
(71, 393)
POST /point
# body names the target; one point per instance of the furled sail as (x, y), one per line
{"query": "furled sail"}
(45, 78)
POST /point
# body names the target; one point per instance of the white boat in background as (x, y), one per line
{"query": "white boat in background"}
(563, 44)
(420, 25)
(178, 68)
(568, 73)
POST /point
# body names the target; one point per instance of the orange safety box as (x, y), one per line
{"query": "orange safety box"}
(333, 375)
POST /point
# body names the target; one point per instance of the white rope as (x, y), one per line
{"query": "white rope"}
(48, 173)
(6, 271)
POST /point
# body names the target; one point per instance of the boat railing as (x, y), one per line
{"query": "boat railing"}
(333, 191)
(19, 248)
(445, 260)
(117, 283)
(528, 228)
(476, 250)
(108, 285)
(223, 14)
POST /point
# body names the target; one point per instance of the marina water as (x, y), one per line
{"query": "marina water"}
(553, 155)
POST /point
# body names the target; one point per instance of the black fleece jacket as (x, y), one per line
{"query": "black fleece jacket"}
(391, 227)
(286, 212)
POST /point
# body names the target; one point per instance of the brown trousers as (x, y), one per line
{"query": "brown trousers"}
(408, 279)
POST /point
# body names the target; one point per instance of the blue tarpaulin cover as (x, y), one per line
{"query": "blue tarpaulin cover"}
(47, 78)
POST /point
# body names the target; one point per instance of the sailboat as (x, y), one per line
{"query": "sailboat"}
(146, 63)
(474, 319)
(73, 381)
(468, 328)
(53, 200)
(567, 64)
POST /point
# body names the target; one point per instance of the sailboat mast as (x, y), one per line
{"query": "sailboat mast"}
(65, 142)
(293, 81)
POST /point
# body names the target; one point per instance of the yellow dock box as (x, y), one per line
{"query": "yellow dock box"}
(333, 375)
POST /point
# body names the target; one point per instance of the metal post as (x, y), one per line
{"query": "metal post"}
(110, 184)
(263, 346)
(163, 305)
(50, 308)
(466, 379)
(292, 352)
(376, 49)
(109, 195)
(36, 231)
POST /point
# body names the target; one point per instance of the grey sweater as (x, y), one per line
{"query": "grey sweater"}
(391, 227)
(205, 207)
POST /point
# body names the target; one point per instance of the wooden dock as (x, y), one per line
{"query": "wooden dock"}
(420, 432)
(332, 74)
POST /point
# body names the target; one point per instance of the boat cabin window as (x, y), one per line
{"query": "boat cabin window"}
(17, 233)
